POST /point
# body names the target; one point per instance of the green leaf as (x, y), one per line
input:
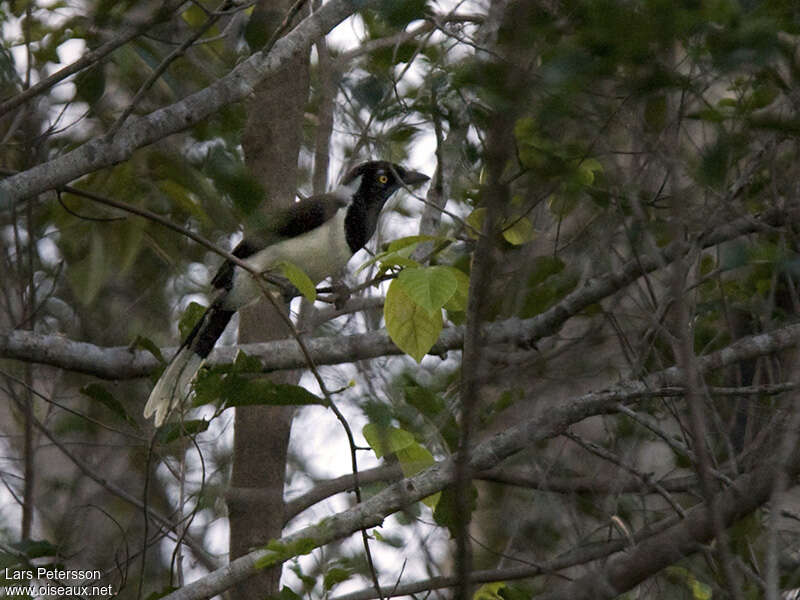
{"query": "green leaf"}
(411, 327)
(370, 91)
(544, 267)
(424, 400)
(35, 548)
(475, 221)
(130, 245)
(518, 231)
(88, 275)
(308, 581)
(700, 590)
(162, 593)
(97, 392)
(562, 204)
(148, 344)
(413, 459)
(458, 302)
(763, 95)
(395, 541)
(169, 432)
(299, 279)
(707, 114)
(278, 552)
(431, 405)
(181, 197)
(398, 13)
(586, 170)
(240, 391)
(399, 251)
(232, 177)
(194, 16)
(386, 440)
(489, 591)
(412, 456)
(429, 287)
(548, 284)
(445, 513)
(412, 241)
(655, 113)
(286, 593)
(335, 576)
(190, 317)
(91, 84)
(237, 385)
(208, 386)
(245, 363)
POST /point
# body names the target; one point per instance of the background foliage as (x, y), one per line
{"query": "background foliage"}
(614, 193)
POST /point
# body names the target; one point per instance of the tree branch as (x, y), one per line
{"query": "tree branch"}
(127, 363)
(138, 132)
(658, 535)
(491, 452)
(627, 569)
(120, 38)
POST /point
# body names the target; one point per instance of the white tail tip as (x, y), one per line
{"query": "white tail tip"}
(173, 387)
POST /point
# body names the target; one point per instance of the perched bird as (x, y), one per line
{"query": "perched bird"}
(318, 234)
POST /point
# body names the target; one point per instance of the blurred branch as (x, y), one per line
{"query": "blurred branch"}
(627, 569)
(590, 484)
(657, 537)
(617, 484)
(212, 18)
(327, 86)
(353, 304)
(404, 36)
(136, 133)
(320, 491)
(127, 363)
(616, 460)
(579, 555)
(202, 555)
(93, 56)
(495, 196)
(682, 342)
(494, 450)
(123, 362)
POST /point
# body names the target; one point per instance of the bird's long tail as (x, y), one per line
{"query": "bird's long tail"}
(172, 388)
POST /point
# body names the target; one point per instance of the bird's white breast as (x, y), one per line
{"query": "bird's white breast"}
(321, 252)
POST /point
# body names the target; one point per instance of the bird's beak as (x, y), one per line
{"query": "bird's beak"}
(414, 178)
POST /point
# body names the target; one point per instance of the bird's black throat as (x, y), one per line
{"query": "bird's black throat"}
(361, 221)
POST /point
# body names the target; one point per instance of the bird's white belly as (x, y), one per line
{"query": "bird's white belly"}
(321, 253)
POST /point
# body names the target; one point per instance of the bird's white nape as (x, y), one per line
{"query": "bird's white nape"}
(346, 191)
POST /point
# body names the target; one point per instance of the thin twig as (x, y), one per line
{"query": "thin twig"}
(645, 478)
(93, 56)
(162, 67)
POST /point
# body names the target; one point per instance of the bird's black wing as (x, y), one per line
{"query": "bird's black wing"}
(301, 217)
(298, 219)
(224, 277)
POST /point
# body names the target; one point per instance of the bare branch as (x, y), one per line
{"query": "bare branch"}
(126, 363)
(120, 38)
(138, 132)
(491, 452)
(627, 569)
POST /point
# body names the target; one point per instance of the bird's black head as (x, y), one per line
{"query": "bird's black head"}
(370, 185)
(377, 180)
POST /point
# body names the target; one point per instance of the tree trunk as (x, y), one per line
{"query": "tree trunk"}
(271, 143)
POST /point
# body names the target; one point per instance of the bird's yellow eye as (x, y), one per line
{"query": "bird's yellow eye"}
(383, 178)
